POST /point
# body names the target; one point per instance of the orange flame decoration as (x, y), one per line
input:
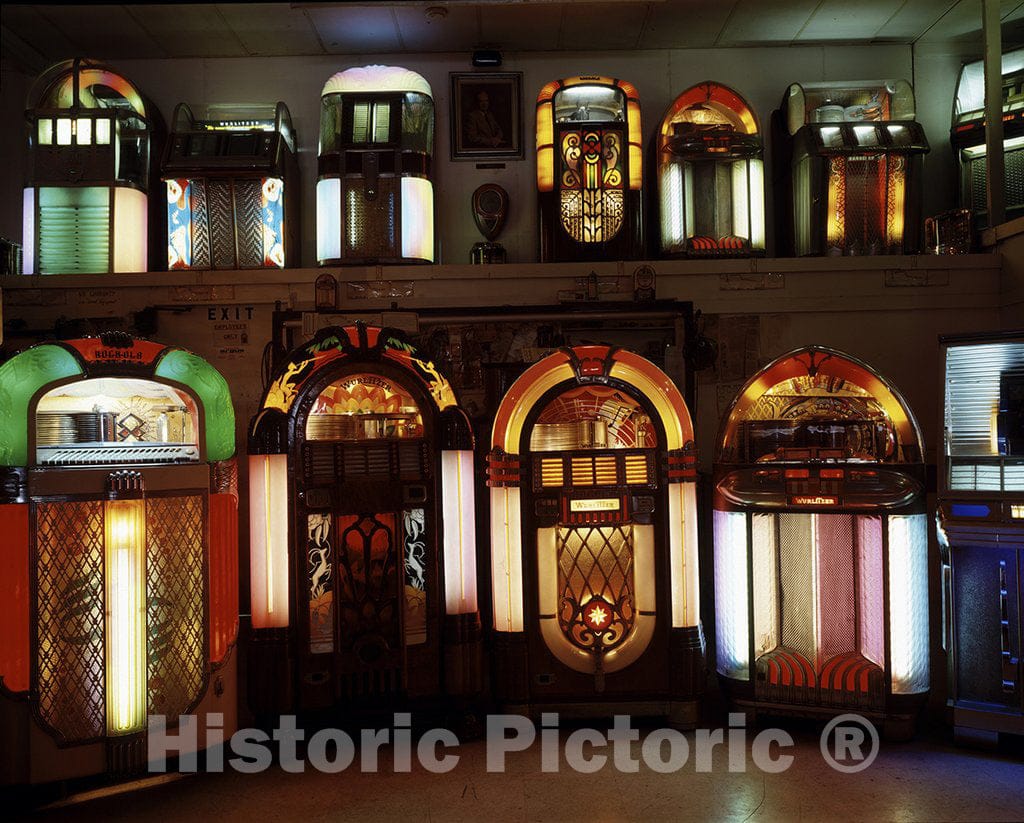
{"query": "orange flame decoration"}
(360, 398)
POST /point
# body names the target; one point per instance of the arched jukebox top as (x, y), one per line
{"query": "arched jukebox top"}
(818, 404)
(618, 380)
(81, 108)
(851, 102)
(113, 399)
(708, 117)
(303, 400)
(388, 106)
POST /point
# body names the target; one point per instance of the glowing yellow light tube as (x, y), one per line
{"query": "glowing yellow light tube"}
(459, 532)
(682, 515)
(125, 560)
(506, 560)
(268, 540)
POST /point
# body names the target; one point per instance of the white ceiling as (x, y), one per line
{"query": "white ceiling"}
(36, 35)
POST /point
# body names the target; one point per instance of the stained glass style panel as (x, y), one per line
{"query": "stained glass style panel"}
(592, 182)
(319, 568)
(414, 529)
(595, 578)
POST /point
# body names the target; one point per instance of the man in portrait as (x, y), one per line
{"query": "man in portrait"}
(482, 127)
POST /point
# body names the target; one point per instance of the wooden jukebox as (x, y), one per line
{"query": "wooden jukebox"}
(821, 544)
(118, 556)
(594, 539)
(589, 170)
(374, 195)
(363, 565)
(848, 169)
(710, 175)
(981, 531)
(232, 185)
(85, 203)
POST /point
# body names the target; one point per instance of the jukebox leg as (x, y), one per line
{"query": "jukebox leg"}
(688, 676)
(463, 660)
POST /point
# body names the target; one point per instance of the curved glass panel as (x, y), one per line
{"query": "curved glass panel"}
(364, 407)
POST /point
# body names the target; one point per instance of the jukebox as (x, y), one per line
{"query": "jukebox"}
(710, 175)
(594, 539)
(967, 137)
(589, 170)
(847, 169)
(374, 195)
(363, 564)
(981, 530)
(821, 544)
(232, 185)
(119, 556)
(85, 200)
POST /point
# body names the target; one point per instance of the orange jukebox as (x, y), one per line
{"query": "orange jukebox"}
(118, 556)
(594, 538)
(589, 170)
(710, 175)
(363, 566)
(821, 544)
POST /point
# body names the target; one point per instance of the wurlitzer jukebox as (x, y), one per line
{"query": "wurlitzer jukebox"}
(232, 185)
(85, 201)
(589, 170)
(374, 195)
(967, 137)
(981, 530)
(363, 565)
(848, 169)
(594, 539)
(821, 544)
(119, 556)
(710, 175)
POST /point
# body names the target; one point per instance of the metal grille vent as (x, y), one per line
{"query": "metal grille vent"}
(70, 618)
(174, 603)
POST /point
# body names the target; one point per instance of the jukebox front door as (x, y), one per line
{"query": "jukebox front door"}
(596, 508)
(367, 561)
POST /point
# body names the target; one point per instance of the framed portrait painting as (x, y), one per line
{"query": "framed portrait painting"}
(487, 116)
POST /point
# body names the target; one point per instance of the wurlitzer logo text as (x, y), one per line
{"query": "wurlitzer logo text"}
(603, 505)
(814, 500)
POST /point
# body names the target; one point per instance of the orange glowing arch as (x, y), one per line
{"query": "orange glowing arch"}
(585, 361)
(721, 99)
(828, 362)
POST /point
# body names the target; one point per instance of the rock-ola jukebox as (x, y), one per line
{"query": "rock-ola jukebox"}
(118, 555)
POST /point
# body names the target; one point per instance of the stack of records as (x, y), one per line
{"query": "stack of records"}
(55, 428)
(334, 427)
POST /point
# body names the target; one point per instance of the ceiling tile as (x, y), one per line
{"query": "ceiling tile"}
(456, 30)
(271, 29)
(29, 26)
(521, 28)
(846, 20)
(963, 22)
(355, 29)
(914, 19)
(602, 26)
(766, 22)
(102, 32)
(686, 24)
(188, 29)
